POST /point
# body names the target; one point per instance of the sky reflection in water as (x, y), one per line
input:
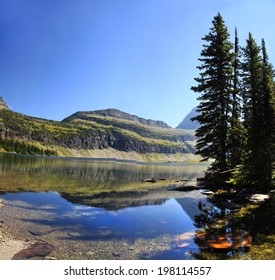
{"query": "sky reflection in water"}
(61, 193)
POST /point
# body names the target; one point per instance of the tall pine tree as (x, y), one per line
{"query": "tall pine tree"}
(268, 112)
(253, 169)
(236, 130)
(214, 85)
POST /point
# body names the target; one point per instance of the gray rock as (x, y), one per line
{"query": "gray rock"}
(116, 254)
(182, 188)
(207, 192)
(258, 198)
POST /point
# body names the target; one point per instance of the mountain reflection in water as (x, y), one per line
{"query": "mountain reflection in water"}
(71, 201)
(93, 209)
(85, 176)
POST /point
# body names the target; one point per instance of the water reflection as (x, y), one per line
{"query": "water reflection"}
(84, 176)
(44, 213)
(106, 205)
(78, 203)
(230, 230)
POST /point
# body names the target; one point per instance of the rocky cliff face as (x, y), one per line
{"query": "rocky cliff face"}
(94, 130)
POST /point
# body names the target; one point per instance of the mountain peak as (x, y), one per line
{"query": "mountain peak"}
(3, 104)
(187, 123)
(117, 114)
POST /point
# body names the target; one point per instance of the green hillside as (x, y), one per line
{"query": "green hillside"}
(89, 134)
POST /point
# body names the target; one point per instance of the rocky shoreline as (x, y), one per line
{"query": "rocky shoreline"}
(15, 249)
(8, 245)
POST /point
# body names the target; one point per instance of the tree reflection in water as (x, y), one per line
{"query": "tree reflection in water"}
(231, 233)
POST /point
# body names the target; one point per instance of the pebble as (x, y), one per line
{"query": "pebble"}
(90, 253)
(116, 254)
(50, 258)
(74, 234)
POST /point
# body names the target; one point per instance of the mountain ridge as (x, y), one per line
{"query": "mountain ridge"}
(115, 113)
(110, 132)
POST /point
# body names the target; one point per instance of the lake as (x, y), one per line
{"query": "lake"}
(107, 209)
(100, 209)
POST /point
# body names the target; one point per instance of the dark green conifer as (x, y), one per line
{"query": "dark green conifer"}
(214, 86)
(236, 130)
(253, 169)
(268, 112)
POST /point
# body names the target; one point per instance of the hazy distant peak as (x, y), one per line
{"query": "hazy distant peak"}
(187, 123)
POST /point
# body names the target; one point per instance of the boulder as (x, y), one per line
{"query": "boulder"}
(37, 248)
(182, 188)
(258, 198)
(151, 180)
(207, 192)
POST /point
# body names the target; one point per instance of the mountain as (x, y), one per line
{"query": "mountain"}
(102, 134)
(114, 113)
(3, 104)
(187, 123)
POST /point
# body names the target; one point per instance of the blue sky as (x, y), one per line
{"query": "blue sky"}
(140, 56)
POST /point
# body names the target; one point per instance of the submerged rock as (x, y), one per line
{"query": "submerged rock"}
(151, 180)
(38, 233)
(37, 248)
(182, 188)
(116, 254)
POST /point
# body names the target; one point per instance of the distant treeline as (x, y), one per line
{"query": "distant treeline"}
(13, 145)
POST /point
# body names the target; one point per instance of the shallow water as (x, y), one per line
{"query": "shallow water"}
(104, 209)
(95, 209)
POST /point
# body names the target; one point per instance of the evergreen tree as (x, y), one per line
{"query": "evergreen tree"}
(253, 170)
(214, 85)
(236, 131)
(268, 125)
